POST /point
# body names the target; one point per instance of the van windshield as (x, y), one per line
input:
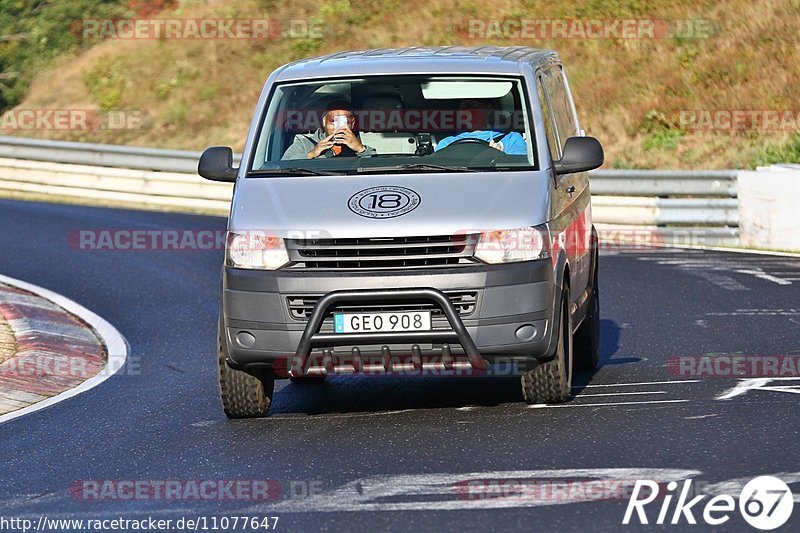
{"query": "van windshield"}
(403, 124)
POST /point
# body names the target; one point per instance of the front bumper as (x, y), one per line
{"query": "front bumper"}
(512, 316)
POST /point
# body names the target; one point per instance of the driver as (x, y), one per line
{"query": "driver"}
(336, 139)
(511, 143)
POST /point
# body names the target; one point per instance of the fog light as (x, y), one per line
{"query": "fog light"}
(526, 332)
(245, 339)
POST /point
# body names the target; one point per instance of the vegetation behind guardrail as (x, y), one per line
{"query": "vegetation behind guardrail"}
(166, 179)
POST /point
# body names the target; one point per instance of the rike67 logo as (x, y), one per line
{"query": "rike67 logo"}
(765, 503)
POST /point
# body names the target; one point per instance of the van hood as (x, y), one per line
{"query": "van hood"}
(395, 205)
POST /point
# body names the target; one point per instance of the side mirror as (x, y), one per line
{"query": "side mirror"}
(216, 164)
(580, 155)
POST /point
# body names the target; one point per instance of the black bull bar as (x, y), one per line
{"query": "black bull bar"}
(312, 338)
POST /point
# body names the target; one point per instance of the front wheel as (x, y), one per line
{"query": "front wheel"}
(243, 395)
(551, 382)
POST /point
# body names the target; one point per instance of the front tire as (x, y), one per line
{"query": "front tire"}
(243, 395)
(551, 382)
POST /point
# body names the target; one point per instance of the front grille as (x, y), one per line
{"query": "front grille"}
(301, 305)
(382, 252)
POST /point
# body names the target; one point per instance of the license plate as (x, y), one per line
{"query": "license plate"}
(382, 322)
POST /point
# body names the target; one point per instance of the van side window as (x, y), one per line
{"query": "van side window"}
(552, 140)
(560, 105)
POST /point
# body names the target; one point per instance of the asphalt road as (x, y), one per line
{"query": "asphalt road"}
(384, 454)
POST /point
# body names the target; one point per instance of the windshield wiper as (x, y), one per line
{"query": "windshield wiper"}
(415, 166)
(295, 171)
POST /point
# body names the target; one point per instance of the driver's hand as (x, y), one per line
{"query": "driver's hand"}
(496, 145)
(326, 143)
(346, 137)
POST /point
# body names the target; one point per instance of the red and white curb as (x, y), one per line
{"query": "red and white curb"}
(57, 355)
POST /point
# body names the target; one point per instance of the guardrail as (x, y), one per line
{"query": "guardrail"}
(156, 178)
(103, 155)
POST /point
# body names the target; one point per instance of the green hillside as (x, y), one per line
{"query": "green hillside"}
(641, 70)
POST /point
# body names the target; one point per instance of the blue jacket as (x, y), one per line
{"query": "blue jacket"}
(513, 143)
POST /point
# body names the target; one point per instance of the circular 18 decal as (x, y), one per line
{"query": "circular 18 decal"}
(386, 201)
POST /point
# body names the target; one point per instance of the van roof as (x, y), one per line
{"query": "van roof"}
(509, 60)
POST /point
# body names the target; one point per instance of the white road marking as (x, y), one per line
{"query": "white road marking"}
(408, 492)
(790, 389)
(288, 417)
(756, 312)
(391, 493)
(720, 280)
(698, 417)
(712, 269)
(622, 393)
(116, 346)
(742, 387)
(558, 406)
(306, 418)
(733, 487)
(412, 492)
(581, 395)
(696, 249)
(746, 385)
(760, 274)
(670, 382)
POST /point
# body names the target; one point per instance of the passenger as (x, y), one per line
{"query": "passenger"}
(337, 138)
(511, 143)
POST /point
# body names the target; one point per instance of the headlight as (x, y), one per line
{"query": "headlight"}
(256, 250)
(513, 245)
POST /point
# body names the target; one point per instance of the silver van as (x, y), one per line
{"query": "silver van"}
(417, 210)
